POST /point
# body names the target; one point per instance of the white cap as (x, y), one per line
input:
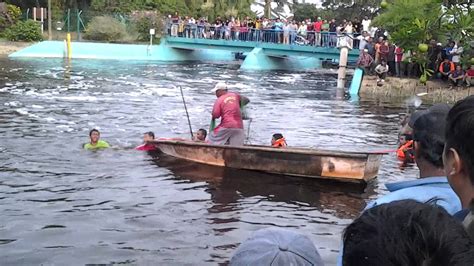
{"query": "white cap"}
(219, 86)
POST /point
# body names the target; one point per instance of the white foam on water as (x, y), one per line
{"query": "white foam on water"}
(22, 111)
(50, 119)
(12, 104)
(37, 106)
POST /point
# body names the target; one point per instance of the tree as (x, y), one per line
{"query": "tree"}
(350, 9)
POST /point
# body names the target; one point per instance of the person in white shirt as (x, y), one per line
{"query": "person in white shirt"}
(366, 24)
(456, 52)
(381, 71)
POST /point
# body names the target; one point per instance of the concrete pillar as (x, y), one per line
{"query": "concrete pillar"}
(344, 47)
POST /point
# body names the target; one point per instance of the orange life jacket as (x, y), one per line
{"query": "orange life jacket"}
(403, 151)
(280, 143)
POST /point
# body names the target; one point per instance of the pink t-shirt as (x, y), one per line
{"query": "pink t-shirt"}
(317, 26)
(227, 107)
(146, 147)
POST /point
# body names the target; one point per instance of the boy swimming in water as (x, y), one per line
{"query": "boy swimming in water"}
(95, 142)
(278, 141)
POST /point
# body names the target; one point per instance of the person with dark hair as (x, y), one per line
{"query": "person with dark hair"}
(95, 142)
(381, 71)
(147, 146)
(406, 232)
(458, 157)
(200, 135)
(428, 142)
(278, 141)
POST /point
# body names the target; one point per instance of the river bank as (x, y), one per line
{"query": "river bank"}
(433, 91)
(7, 47)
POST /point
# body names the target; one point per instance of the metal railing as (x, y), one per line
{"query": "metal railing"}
(246, 34)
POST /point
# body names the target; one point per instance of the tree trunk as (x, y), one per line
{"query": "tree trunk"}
(268, 9)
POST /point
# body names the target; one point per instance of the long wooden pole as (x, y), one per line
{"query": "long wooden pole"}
(187, 114)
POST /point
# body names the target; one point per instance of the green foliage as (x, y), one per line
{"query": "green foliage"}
(411, 22)
(28, 31)
(304, 11)
(9, 18)
(350, 9)
(144, 21)
(105, 28)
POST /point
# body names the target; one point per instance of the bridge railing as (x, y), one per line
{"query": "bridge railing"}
(245, 34)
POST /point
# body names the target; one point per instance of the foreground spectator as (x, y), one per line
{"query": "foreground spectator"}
(459, 158)
(277, 247)
(428, 137)
(406, 232)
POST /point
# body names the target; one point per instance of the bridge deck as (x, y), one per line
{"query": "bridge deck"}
(270, 49)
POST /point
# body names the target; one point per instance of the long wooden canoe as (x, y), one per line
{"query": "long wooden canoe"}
(356, 167)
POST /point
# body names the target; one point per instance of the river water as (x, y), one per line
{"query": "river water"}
(62, 205)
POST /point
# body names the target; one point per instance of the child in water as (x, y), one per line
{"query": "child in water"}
(148, 136)
(95, 142)
(200, 135)
(278, 141)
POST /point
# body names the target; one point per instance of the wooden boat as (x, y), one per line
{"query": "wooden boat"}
(356, 167)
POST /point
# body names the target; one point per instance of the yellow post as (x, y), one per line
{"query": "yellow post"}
(68, 44)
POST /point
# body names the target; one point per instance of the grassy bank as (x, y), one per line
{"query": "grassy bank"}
(433, 91)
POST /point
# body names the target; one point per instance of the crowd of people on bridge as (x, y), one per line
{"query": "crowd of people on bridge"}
(311, 31)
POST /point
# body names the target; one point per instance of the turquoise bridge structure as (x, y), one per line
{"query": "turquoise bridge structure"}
(257, 55)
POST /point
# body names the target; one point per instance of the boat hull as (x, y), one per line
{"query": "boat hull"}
(322, 164)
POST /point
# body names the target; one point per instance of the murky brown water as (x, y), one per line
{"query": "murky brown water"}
(62, 205)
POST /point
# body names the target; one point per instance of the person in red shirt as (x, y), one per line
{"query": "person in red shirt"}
(469, 77)
(148, 136)
(317, 29)
(227, 107)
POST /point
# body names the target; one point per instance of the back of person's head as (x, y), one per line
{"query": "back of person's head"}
(203, 132)
(151, 134)
(277, 247)
(277, 136)
(460, 133)
(429, 134)
(406, 232)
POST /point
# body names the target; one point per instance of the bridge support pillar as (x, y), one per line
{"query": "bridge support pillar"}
(258, 60)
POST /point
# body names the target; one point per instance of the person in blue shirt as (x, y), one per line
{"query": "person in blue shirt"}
(428, 135)
(458, 158)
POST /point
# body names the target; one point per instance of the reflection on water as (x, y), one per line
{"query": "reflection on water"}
(63, 205)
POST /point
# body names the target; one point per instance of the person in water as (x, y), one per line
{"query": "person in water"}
(227, 107)
(200, 135)
(405, 151)
(458, 157)
(146, 146)
(95, 142)
(278, 141)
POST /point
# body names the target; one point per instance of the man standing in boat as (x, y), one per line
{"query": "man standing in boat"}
(227, 107)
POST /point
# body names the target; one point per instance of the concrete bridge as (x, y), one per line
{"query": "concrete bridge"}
(263, 55)
(258, 55)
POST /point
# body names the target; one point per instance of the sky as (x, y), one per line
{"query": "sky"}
(259, 9)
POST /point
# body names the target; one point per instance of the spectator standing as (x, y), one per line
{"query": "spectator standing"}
(457, 52)
(391, 59)
(348, 29)
(384, 50)
(366, 24)
(332, 33)
(325, 33)
(433, 53)
(317, 26)
(398, 60)
(286, 33)
(362, 40)
(365, 61)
